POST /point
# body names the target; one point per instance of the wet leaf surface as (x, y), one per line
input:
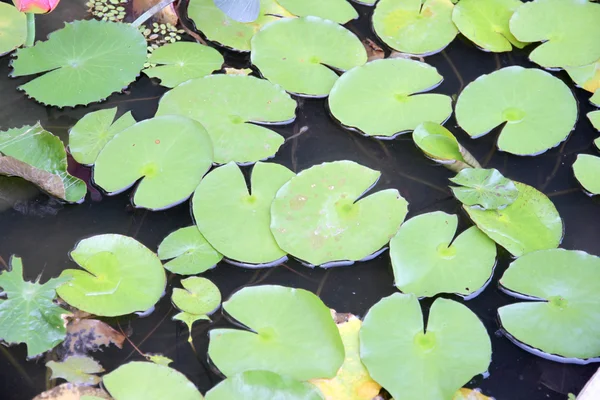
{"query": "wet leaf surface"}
(188, 251)
(199, 296)
(587, 171)
(78, 370)
(485, 188)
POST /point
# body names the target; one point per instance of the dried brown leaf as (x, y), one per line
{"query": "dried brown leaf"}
(45, 180)
(85, 335)
(68, 391)
(374, 52)
(235, 71)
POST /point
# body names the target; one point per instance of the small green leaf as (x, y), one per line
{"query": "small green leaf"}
(79, 370)
(13, 28)
(191, 254)
(339, 11)
(200, 296)
(486, 188)
(189, 320)
(159, 359)
(587, 172)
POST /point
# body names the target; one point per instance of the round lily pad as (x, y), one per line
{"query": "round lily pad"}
(13, 28)
(230, 107)
(301, 54)
(235, 220)
(561, 323)
(175, 63)
(569, 30)
(149, 381)
(586, 77)
(189, 252)
(170, 154)
(339, 11)
(292, 334)
(87, 60)
(530, 223)
(322, 217)
(535, 122)
(365, 97)
(412, 360)
(253, 385)
(199, 296)
(485, 23)
(485, 188)
(587, 172)
(428, 260)
(120, 276)
(420, 27)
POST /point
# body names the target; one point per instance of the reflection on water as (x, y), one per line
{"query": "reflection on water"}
(312, 139)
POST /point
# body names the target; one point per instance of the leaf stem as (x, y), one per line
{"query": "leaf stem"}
(30, 29)
(151, 11)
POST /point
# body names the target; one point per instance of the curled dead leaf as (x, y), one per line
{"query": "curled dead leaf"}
(85, 335)
(374, 52)
(68, 391)
(235, 71)
(46, 181)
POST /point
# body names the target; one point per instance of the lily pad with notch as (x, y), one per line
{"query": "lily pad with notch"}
(339, 11)
(559, 323)
(188, 251)
(79, 370)
(587, 171)
(304, 55)
(13, 28)
(232, 108)
(291, 333)
(364, 97)
(322, 217)
(484, 188)
(428, 260)
(87, 60)
(419, 27)
(236, 221)
(199, 296)
(410, 359)
(168, 155)
(120, 276)
(535, 122)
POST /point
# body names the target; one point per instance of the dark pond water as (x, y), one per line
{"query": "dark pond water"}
(42, 231)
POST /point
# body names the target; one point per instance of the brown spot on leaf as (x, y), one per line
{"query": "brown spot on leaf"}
(46, 181)
(85, 335)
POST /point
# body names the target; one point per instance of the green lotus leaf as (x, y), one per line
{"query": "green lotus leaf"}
(28, 313)
(36, 155)
(189, 252)
(79, 370)
(189, 319)
(535, 122)
(200, 296)
(13, 28)
(413, 360)
(561, 323)
(175, 63)
(587, 172)
(365, 97)
(318, 218)
(219, 28)
(339, 11)
(485, 23)
(120, 276)
(530, 223)
(569, 30)
(301, 54)
(149, 381)
(292, 334)
(586, 77)
(87, 60)
(428, 260)
(91, 133)
(230, 107)
(170, 154)
(236, 221)
(420, 27)
(486, 188)
(253, 385)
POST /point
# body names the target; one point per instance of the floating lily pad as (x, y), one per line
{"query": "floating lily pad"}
(301, 54)
(485, 188)
(79, 370)
(586, 77)
(84, 62)
(317, 216)
(412, 360)
(427, 259)
(178, 62)
(292, 334)
(440, 145)
(569, 30)
(219, 28)
(170, 154)
(199, 296)
(561, 323)
(339, 11)
(149, 381)
(240, 10)
(365, 97)
(189, 252)
(587, 172)
(120, 276)
(13, 28)
(530, 223)
(485, 23)
(230, 107)
(535, 122)
(36, 155)
(420, 27)
(253, 385)
(91, 133)
(236, 221)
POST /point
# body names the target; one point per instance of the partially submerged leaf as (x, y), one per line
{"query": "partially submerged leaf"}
(87, 335)
(13, 28)
(586, 77)
(199, 296)
(189, 252)
(78, 370)
(339, 11)
(485, 188)
(68, 391)
(39, 157)
(236, 71)
(28, 313)
(587, 171)
(159, 359)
